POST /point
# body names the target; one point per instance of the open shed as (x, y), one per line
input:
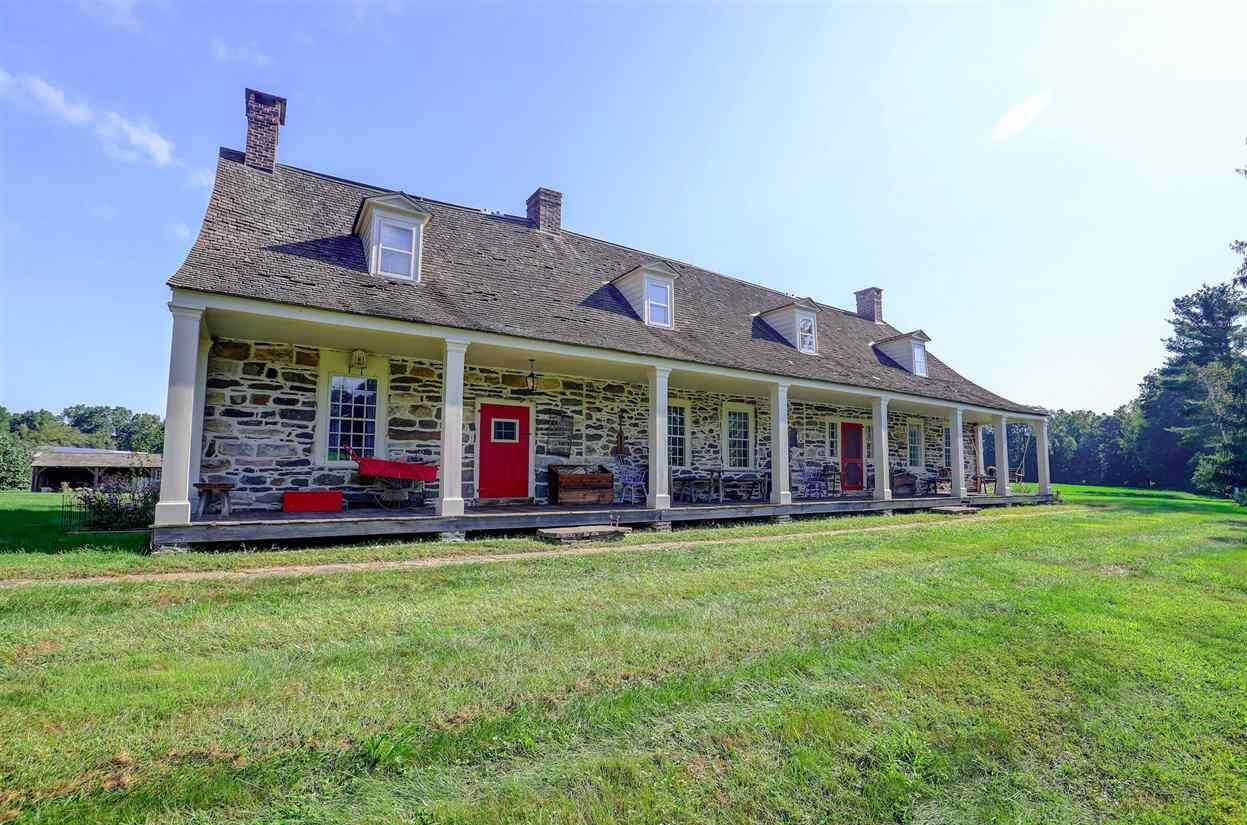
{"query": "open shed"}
(88, 467)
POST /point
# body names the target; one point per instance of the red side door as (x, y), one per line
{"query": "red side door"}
(852, 470)
(504, 436)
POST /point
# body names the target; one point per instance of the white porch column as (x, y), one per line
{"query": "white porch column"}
(1001, 427)
(174, 506)
(197, 420)
(958, 474)
(658, 497)
(1041, 451)
(450, 468)
(781, 483)
(978, 451)
(879, 448)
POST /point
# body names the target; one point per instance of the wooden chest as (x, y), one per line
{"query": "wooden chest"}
(580, 484)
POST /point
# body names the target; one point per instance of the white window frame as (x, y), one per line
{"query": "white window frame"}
(912, 426)
(948, 446)
(668, 285)
(812, 349)
(416, 225)
(688, 426)
(868, 433)
(753, 436)
(834, 432)
(493, 439)
(335, 362)
(920, 358)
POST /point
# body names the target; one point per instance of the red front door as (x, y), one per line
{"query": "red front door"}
(503, 469)
(852, 470)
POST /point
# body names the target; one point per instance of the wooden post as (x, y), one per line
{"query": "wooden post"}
(958, 458)
(1001, 428)
(175, 506)
(450, 497)
(879, 434)
(658, 496)
(781, 483)
(1041, 451)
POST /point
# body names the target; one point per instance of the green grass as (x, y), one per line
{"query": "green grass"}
(1084, 666)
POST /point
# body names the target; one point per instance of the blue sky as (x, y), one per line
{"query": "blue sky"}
(1031, 185)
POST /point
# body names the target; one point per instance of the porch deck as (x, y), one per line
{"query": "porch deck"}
(268, 526)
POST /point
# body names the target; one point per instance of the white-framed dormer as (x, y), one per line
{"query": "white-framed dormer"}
(650, 291)
(391, 228)
(797, 322)
(909, 350)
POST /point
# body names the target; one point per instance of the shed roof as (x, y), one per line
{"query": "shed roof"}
(89, 457)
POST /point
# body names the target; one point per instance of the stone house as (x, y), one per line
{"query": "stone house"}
(314, 314)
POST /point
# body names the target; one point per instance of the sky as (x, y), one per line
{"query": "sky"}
(1032, 185)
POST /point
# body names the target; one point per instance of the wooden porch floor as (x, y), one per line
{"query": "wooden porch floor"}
(268, 526)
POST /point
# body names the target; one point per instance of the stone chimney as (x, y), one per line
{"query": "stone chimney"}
(545, 209)
(870, 303)
(265, 115)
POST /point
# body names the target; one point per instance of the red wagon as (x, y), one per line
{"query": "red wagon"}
(394, 473)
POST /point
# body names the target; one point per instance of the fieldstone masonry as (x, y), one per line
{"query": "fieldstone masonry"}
(260, 421)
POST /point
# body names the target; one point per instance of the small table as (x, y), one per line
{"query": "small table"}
(207, 489)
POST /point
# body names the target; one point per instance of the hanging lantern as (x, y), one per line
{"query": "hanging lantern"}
(532, 375)
(359, 361)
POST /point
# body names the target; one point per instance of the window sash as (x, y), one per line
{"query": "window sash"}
(396, 260)
(352, 419)
(915, 445)
(739, 439)
(948, 446)
(807, 329)
(677, 435)
(833, 439)
(654, 302)
(920, 359)
(508, 433)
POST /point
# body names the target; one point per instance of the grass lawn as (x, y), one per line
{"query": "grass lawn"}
(1083, 666)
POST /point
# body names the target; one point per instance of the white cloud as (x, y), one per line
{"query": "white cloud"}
(120, 136)
(125, 139)
(178, 231)
(1021, 117)
(222, 52)
(119, 13)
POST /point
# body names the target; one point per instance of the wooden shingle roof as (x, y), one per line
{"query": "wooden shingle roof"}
(287, 237)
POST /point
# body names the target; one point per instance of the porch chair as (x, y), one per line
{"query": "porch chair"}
(813, 481)
(632, 484)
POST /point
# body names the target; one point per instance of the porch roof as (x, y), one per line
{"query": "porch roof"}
(287, 236)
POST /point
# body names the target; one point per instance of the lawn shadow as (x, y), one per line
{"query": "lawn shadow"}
(1147, 501)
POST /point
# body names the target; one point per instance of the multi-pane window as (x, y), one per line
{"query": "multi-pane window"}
(677, 435)
(914, 443)
(739, 439)
(920, 359)
(807, 340)
(506, 430)
(657, 302)
(833, 439)
(397, 247)
(948, 446)
(868, 434)
(352, 416)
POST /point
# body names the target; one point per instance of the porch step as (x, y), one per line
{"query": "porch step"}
(956, 510)
(583, 535)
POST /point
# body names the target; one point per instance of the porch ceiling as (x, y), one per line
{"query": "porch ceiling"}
(229, 324)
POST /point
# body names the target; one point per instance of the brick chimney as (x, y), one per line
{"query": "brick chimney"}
(265, 115)
(870, 303)
(545, 209)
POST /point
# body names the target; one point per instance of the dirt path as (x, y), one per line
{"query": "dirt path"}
(493, 558)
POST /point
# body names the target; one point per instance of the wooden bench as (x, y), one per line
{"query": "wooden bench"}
(209, 488)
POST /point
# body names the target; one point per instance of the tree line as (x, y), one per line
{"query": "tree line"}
(81, 425)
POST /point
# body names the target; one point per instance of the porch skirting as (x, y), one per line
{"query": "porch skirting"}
(265, 526)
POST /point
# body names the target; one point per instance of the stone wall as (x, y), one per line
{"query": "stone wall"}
(260, 420)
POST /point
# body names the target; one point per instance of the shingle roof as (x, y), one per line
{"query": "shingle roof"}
(91, 457)
(287, 237)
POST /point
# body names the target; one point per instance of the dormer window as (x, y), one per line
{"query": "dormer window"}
(807, 332)
(397, 246)
(650, 290)
(657, 302)
(391, 228)
(908, 350)
(920, 358)
(797, 322)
